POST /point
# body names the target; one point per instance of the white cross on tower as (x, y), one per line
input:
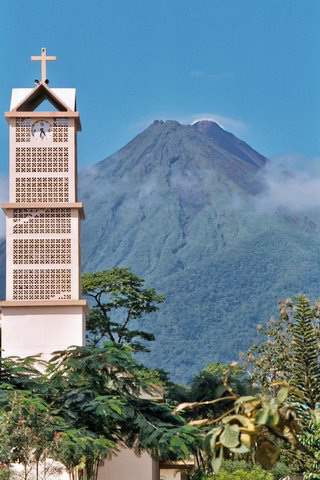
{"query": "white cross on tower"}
(43, 58)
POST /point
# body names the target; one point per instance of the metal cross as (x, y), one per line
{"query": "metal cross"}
(43, 58)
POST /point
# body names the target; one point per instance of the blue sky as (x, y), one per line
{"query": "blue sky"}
(252, 64)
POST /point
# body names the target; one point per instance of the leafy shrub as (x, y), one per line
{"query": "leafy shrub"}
(232, 466)
(281, 470)
(235, 470)
(199, 475)
(255, 474)
(4, 472)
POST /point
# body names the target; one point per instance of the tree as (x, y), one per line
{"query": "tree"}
(270, 360)
(28, 430)
(289, 350)
(306, 379)
(87, 402)
(305, 374)
(256, 422)
(311, 439)
(119, 302)
(207, 385)
(252, 424)
(99, 391)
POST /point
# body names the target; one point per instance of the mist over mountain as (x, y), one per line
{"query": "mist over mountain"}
(178, 204)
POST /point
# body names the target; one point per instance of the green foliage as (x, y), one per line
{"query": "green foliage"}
(289, 349)
(244, 428)
(270, 360)
(199, 474)
(311, 439)
(209, 382)
(196, 400)
(232, 465)
(119, 302)
(255, 474)
(88, 400)
(290, 352)
(208, 385)
(101, 388)
(5, 472)
(235, 470)
(259, 423)
(305, 355)
(282, 470)
(28, 430)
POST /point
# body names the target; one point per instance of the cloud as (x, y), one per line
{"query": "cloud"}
(291, 182)
(228, 123)
(202, 74)
(3, 198)
(223, 121)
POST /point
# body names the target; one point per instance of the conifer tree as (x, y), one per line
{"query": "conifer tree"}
(305, 356)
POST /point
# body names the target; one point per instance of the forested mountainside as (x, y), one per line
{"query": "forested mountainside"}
(177, 205)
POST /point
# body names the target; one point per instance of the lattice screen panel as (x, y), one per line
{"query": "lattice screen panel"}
(42, 159)
(41, 251)
(23, 129)
(42, 284)
(60, 130)
(30, 221)
(46, 189)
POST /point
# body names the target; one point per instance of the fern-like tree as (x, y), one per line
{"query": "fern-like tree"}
(306, 380)
(305, 355)
(311, 439)
(289, 349)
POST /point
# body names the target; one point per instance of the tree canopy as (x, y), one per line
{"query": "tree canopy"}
(87, 402)
(120, 301)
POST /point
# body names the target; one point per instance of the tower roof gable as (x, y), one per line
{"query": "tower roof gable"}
(27, 100)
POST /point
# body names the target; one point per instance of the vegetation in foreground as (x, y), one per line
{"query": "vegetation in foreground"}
(258, 420)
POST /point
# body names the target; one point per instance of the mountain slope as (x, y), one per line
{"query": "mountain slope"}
(165, 182)
(176, 205)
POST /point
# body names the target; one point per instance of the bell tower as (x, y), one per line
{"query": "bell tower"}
(43, 311)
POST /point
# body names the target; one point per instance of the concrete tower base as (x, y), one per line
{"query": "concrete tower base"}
(48, 328)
